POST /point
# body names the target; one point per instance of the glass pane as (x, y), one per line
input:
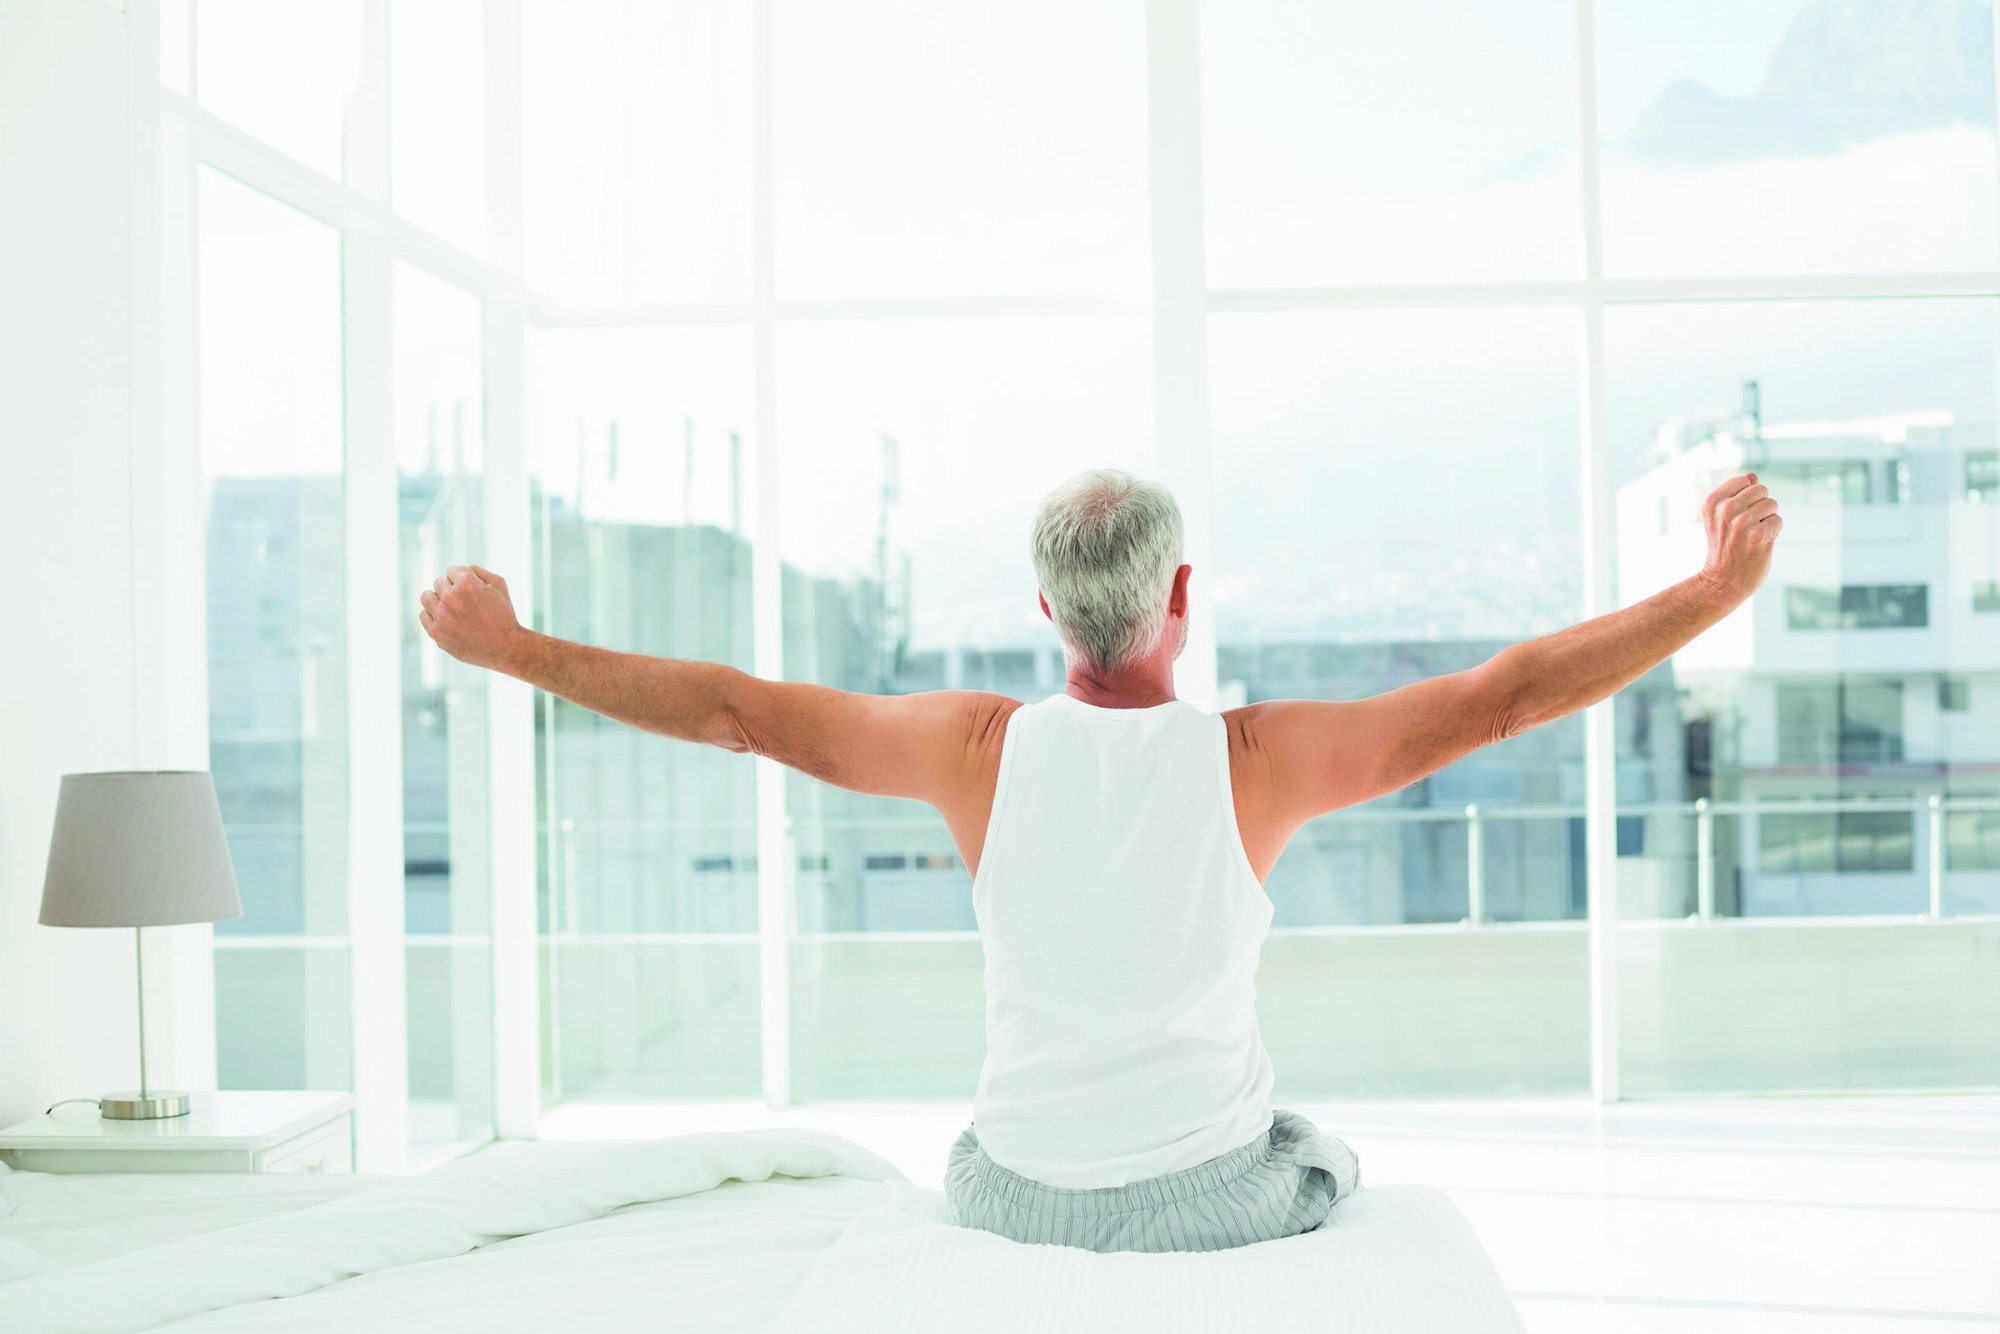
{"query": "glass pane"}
(655, 1020)
(1428, 518)
(901, 576)
(440, 466)
(1451, 1013)
(282, 1018)
(1337, 585)
(1791, 1008)
(450, 998)
(272, 456)
(1794, 749)
(1973, 838)
(288, 74)
(640, 442)
(437, 117)
(928, 148)
(635, 150)
(546, 987)
(1415, 142)
(887, 1019)
(1784, 136)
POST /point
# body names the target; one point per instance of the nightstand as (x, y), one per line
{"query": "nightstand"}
(225, 1132)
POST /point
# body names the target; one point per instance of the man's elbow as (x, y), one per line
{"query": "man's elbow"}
(732, 708)
(1508, 703)
(729, 733)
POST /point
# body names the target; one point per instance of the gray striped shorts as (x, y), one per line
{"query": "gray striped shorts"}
(1282, 1183)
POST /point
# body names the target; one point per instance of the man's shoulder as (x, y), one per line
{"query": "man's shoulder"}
(975, 718)
(1256, 725)
(945, 703)
(989, 713)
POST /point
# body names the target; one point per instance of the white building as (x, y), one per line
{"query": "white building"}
(1867, 668)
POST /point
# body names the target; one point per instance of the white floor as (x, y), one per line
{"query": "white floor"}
(1782, 1215)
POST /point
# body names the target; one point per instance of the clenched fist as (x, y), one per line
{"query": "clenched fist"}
(468, 613)
(1742, 520)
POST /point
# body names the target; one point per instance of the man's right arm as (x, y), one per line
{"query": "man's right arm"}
(1296, 759)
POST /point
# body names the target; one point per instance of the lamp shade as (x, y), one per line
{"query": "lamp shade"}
(138, 849)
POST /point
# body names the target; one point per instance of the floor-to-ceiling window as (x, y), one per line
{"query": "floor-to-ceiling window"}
(1805, 894)
(270, 369)
(1810, 779)
(341, 408)
(1431, 518)
(440, 470)
(642, 437)
(648, 904)
(1397, 496)
(806, 306)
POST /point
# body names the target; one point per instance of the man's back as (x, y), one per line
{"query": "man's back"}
(1121, 923)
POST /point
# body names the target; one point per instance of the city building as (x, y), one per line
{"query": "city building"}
(1822, 718)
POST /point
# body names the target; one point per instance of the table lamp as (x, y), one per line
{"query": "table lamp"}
(139, 850)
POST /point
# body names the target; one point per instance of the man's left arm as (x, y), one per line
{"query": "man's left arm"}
(914, 746)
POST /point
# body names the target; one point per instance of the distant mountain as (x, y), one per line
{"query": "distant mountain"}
(1845, 71)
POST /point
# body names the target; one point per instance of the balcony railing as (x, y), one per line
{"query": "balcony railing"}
(1928, 814)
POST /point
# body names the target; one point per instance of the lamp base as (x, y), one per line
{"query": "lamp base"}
(152, 1105)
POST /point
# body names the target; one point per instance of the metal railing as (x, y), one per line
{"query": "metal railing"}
(1928, 812)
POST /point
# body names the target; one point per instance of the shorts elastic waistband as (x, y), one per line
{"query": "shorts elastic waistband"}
(1150, 1193)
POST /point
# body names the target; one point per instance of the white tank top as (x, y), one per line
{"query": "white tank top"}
(1122, 924)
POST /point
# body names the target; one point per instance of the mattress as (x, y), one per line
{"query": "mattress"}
(776, 1231)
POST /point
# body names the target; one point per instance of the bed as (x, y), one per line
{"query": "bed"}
(778, 1231)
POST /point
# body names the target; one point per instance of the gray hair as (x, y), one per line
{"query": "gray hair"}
(1106, 547)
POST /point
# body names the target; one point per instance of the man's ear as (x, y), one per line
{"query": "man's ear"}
(1177, 601)
(1045, 605)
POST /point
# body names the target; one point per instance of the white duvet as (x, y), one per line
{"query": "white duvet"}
(782, 1231)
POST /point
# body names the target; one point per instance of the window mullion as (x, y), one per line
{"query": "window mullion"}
(775, 847)
(1600, 750)
(1180, 328)
(373, 611)
(510, 704)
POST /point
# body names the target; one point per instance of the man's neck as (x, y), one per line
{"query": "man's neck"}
(1136, 689)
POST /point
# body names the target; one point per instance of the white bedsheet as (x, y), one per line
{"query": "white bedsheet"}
(772, 1231)
(1390, 1258)
(362, 1255)
(77, 1220)
(727, 1260)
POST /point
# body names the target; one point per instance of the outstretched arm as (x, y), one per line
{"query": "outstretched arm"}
(1575, 668)
(890, 745)
(1309, 757)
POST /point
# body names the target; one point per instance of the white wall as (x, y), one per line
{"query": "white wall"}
(72, 641)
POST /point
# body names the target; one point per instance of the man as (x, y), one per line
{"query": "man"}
(1118, 840)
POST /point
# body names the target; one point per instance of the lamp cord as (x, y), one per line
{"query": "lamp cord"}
(67, 1101)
